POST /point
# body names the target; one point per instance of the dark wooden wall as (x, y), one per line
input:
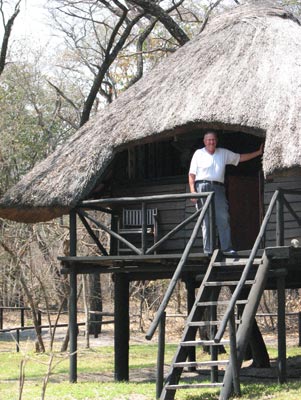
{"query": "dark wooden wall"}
(292, 229)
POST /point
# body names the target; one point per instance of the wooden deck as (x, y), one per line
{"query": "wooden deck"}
(284, 260)
(285, 272)
(158, 266)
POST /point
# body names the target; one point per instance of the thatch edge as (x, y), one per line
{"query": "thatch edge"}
(33, 214)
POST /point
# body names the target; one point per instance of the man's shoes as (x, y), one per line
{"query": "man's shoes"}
(230, 252)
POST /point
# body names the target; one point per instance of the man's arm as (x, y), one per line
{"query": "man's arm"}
(250, 156)
(191, 181)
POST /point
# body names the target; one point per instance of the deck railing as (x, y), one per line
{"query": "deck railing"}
(199, 215)
(107, 206)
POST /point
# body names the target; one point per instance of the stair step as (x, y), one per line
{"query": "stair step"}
(204, 343)
(193, 386)
(208, 323)
(219, 303)
(227, 283)
(199, 364)
(229, 263)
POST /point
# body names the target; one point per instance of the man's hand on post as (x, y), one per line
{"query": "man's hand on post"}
(194, 200)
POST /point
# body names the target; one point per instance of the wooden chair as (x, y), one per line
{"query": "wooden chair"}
(130, 223)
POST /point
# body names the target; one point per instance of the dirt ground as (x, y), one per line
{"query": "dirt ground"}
(106, 338)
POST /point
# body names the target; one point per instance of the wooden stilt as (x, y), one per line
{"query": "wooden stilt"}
(72, 304)
(281, 330)
(121, 337)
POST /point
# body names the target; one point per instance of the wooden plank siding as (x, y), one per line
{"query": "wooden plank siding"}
(291, 228)
(170, 213)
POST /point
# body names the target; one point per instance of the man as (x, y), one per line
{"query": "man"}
(207, 174)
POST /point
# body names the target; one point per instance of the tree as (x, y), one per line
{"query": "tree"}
(111, 41)
(7, 25)
(102, 34)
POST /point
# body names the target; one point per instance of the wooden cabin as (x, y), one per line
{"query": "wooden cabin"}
(242, 80)
(161, 167)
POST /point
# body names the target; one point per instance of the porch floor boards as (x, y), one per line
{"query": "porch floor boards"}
(284, 260)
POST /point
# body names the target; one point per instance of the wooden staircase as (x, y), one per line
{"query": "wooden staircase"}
(247, 288)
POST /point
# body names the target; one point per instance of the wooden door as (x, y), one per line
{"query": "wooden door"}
(244, 206)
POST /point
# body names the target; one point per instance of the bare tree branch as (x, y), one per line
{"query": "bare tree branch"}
(210, 9)
(156, 11)
(139, 47)
(110, 56)
(7, 32)
(60, 92)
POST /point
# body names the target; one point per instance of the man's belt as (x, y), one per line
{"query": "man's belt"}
(210, 182)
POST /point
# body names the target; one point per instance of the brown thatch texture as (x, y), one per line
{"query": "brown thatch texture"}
(242, 73)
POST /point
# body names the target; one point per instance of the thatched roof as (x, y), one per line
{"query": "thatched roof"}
(243, 73)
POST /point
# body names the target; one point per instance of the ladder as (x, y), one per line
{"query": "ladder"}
(223, 272)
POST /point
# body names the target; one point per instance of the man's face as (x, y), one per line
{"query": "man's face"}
(210, 142)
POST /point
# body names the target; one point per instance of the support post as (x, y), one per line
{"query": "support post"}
(233, 354)
(213, 349)
(143, 227)
(212, 232)
(281, 330)
(17, 340)
(279, 220)
(122, 325)
(73, 303)
(190, 287)
(114, 243)
(160, 356)
(299, 328)
(22, 317)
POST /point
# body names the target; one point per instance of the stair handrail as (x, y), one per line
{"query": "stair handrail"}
(179, 268)
(247, 268)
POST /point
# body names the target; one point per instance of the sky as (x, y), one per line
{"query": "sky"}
(32, 23)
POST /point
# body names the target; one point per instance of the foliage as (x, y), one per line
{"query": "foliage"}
(28, 124)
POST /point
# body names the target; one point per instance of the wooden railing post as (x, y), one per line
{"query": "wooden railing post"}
(160, 356)
(190, 288)
(214, 349)
(233, 354)
(299, 328)
(279, 220)
(22, 317)
(73, 303)
(143, 227)
(17, 340)
(281, 329)
(121, 327)
(212, 232)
